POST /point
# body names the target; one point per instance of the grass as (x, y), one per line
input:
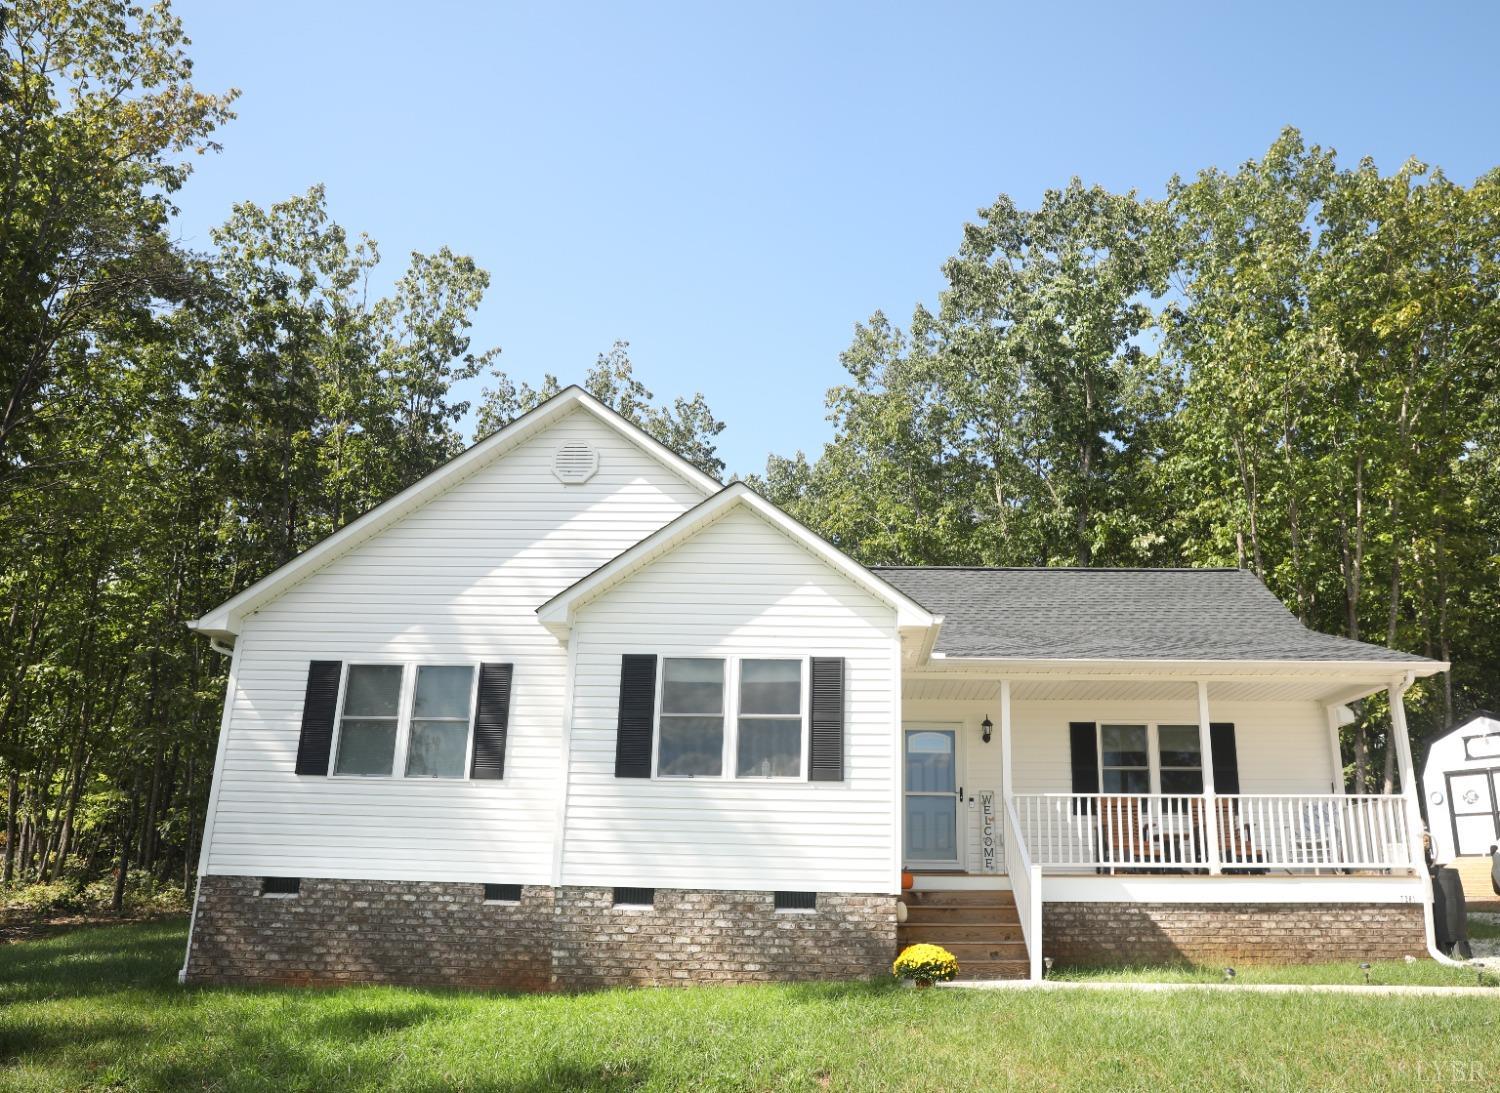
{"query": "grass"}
(1425, 973)
(1484, 927)
(99, 1008)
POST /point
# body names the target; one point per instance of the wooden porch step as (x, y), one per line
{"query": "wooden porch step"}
(943, 933)
(968, 897)
(963, 915)
(994, 969)
(967, 952)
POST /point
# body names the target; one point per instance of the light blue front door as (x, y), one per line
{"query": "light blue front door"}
(931, 797)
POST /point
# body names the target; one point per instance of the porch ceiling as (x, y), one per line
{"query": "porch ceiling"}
(973, 689)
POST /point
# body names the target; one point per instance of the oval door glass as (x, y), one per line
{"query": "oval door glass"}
(931, 797)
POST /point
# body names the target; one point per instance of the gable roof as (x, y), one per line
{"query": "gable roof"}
(225, 620)
(1124, 614)
(557, 613)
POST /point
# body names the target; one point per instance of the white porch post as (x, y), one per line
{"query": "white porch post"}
(1211, 811)
(1408, 774)
(1007, 783)
(1335, 753)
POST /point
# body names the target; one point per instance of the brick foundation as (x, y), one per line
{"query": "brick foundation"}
(1260, 933)
(442, 934)
(419, 933)
(728, 937)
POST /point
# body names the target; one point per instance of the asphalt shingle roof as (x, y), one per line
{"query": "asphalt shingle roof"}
(1119, 614)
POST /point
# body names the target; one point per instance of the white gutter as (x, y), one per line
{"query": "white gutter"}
(1377, 670)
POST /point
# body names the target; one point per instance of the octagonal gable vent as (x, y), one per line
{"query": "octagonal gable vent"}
(574, 463)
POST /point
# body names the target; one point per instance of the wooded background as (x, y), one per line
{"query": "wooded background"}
(1290, 367)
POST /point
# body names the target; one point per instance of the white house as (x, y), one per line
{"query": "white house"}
(568, 712)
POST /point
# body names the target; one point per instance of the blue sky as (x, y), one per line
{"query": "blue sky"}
(732, 187)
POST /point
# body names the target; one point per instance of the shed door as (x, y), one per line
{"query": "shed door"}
(1474, 800)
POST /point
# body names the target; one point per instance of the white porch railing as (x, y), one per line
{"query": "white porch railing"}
(1026, 887)
(1255, 831)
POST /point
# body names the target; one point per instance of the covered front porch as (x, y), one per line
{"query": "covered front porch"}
(1134, 784)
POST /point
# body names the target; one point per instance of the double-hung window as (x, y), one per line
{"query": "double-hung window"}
(769, 730)
(1179, 758)
(440, 715)
(741, 713)
(371, 719)
(1150, 758)
(690, 733)
(412, 719)
(1124, 759)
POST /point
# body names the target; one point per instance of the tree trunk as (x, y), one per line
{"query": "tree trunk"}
(122, 868)
(1252, 502)
(192, 831)
(67, 823)
(12, 801)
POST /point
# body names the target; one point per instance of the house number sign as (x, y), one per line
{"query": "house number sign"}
(989, 856)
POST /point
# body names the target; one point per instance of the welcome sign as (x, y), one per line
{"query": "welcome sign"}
(989, 845)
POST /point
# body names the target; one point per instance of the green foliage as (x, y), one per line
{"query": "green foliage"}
(77, 894)
(687, 426)
(98, 118)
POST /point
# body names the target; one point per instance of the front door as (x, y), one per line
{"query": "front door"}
(1474, 802)
(931, 797)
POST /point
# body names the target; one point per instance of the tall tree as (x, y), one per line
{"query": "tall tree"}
(1017, 425)
(98, 119)
(687, 426)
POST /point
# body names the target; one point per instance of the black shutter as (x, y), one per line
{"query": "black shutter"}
(825, 761)
(1084, 743)
(637, 704)
(1226, 758)
(318, 705)
(491, 720)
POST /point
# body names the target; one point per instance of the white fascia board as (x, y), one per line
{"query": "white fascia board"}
(1376, 671)
(557, 613)
(224, 621)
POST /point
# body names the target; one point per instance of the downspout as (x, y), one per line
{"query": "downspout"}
(1402, 739)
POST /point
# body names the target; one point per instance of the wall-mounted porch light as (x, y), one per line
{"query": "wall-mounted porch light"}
(987, 729)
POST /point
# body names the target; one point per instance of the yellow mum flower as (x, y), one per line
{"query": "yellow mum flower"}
(925, 963)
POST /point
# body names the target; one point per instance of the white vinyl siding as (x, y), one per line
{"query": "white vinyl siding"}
(1282, 746)
(740, 588)
(457, 581)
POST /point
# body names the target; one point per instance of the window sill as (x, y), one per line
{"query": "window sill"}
(280, 895)
(501, 902)
(790, 779)
(410, 778)
(795, 911)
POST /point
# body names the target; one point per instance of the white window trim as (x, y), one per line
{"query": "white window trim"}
(1153, 754)
(408, 666)
(728, 761)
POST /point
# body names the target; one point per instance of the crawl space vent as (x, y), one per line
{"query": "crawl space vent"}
(575, 463)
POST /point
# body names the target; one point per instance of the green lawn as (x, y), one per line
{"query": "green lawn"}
(100, 1008)
(1382, 973)
(1484, 927)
